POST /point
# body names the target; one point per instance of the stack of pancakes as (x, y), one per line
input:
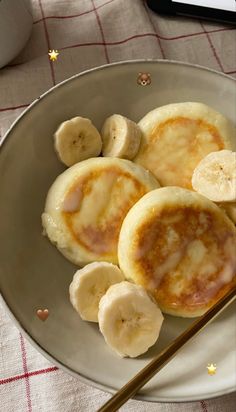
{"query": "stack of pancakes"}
(176, 243)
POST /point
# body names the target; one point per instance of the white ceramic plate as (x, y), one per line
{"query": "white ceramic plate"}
(33, 274)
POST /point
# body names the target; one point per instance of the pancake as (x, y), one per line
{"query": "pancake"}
(181, 247)
(230, 210)
(87, 203)
(177, 136)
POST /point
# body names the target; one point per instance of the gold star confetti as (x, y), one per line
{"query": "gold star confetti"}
(211, 369)
(53, 54)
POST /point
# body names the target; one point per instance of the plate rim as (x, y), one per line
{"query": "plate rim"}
(3, 300)
(106, 66)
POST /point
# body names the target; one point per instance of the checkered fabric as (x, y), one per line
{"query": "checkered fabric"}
(89, 33)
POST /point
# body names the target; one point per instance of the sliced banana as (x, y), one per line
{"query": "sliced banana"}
(215, 176)
(230, 210)
(89, 284)
(128, 319)
(77, 139)
(121, 137)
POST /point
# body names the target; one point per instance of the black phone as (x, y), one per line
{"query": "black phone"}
(218, 10)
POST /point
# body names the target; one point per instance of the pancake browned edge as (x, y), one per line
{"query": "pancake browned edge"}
(230, 209)
(181, 247)
(87, 203)
(177, 136)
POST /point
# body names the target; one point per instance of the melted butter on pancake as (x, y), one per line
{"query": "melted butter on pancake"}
(188, 262)
(176, 146)
(73, 200)
(95, 206)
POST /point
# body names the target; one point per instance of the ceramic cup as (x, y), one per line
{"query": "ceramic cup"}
(15, 28)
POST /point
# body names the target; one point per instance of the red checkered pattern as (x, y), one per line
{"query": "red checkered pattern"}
(89, 33)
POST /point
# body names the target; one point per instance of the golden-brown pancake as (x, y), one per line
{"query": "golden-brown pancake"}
(177, 136)
(230, 209)
(87, 203)
(181, 247)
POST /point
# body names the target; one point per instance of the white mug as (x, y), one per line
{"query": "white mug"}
(15, 27)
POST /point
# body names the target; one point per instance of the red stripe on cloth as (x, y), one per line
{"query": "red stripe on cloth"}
(213, 48)
(183, 36)
(158, 38)
(204, 407)
(106, 43)
(48, 42)
(136, 36)
(5, 109)
(231, 72)
(222, 29)
(24, 361)
(28, 374)
(101, 31)
(101, 43)
(72, 15)
(63, 17)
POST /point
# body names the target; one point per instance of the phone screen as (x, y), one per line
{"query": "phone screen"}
(227, 5)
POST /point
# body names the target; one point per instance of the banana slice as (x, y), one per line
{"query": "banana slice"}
(77, 139)
(89, 284)
(215, 176)
(128, 319)
(121, 137)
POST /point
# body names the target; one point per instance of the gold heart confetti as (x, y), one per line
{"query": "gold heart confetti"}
(42, 314)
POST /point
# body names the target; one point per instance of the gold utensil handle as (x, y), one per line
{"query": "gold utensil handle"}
(139, 380)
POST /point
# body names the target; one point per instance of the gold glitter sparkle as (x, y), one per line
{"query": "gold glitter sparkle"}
(53, 54)
(211, 368)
